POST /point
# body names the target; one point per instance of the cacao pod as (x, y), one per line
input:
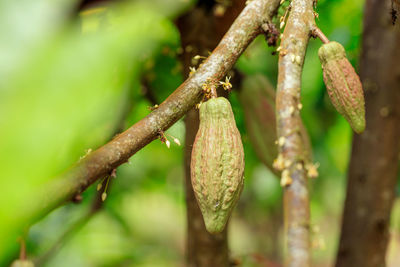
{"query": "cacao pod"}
(257, 97)
(343, 85)
(217, 164)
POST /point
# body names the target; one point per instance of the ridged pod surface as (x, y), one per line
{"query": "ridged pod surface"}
(217, 164)
(343, 85)
(257, 97)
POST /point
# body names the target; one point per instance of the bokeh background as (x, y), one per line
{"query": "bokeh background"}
(71, 80)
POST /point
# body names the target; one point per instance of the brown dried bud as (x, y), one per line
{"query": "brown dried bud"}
(217, 164)
(257, 97)
(343, 85)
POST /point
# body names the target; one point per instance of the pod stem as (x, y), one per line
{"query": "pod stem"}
(213, 91)
(316, 32)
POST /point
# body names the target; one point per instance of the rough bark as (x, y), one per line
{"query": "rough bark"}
(374, 161)
(102, 161)
(291, 146)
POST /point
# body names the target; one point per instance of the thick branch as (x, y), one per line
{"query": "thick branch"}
(373, 166)
(291, 147)
(102, 161)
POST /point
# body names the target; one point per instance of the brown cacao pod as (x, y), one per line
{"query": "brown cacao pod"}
(343, 85)
(257, 97)
(217, 163)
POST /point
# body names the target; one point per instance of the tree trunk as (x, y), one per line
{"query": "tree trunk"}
(374, 161)
(201, 29)
(203, 248)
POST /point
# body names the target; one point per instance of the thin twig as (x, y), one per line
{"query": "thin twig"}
(95, 207)
(291, 146)
(102, 161)
(22, 250)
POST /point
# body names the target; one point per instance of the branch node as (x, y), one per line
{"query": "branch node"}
(271, 33)
(77, 199)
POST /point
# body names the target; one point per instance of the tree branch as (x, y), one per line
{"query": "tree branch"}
(291, 146)
(108, 157)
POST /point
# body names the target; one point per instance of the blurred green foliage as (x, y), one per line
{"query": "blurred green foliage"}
(66, 82)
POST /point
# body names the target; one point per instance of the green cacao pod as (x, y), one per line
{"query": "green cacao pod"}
(217, 163)
(257, 97)
(343, 85)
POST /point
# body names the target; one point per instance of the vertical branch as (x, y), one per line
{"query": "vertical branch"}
(291, 146)
(374, 161)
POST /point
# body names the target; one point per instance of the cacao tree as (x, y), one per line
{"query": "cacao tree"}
(102, 101)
